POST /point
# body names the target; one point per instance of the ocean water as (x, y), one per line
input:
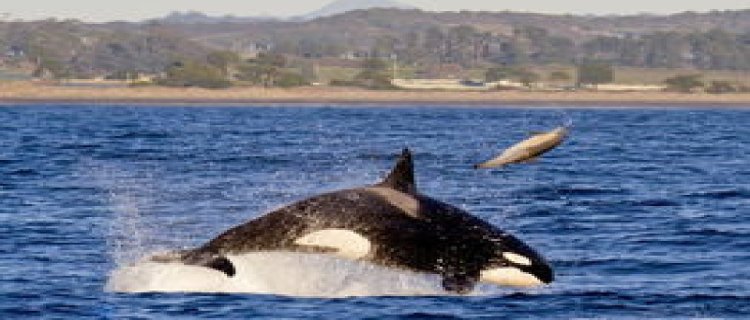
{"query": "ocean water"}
(643, 212)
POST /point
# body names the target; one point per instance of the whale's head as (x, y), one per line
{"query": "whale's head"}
(513, 263)
(466, 248)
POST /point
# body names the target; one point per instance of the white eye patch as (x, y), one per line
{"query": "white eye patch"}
(517, 258)
(348, 244)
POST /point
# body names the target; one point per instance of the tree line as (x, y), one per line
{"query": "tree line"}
(72, 49)
(468, 46)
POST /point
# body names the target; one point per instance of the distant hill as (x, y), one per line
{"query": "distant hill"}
(71, 48)
(712, 40)
(361, 26)
(343, 6)
(195, 17)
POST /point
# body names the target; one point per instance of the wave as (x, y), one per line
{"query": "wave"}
(266, 160)
(80, 146)
(672, 297)
(24, 172)
(555, 192)
(720, 194)
(143, 135)
(655, 202)
(728, 231)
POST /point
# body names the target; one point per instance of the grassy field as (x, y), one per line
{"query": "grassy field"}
(326, 74)
(623, 75)
(13, 75)
(657, 76)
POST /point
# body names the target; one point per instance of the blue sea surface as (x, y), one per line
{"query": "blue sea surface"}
(643, 212)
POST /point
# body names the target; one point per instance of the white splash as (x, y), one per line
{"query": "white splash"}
(287, 274)
(134, 231)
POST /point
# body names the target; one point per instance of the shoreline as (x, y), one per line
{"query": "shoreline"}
(24, 93)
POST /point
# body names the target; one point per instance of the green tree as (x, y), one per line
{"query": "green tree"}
(664, 49)
(374, 65)
(263, 70)
(543, 47)
(595, 73)
(53, 68)
(528, 77)
(718, 49)
(384, 46)
(684, 83)
(309, 71)
(290, 79)
(721, 86)
(374, 74)
(271, 59)
(434, 41)
(499, 73)
(223, 60)
(559, 75)
(522, 75)
(512, 52)
(461, 45)
(194, 74)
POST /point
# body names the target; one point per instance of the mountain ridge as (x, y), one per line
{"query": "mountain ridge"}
(344, 6)
(717, 40)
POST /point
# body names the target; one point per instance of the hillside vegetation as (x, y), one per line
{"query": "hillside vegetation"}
(427, 44)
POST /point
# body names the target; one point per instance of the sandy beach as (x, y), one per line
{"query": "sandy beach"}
(28, 92)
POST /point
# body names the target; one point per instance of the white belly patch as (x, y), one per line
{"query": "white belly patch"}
(509, 276)
(348, 244)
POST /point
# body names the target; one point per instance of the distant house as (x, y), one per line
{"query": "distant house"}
(356, 55)
(444, 71)
(253, 48)
(15, 52)
(144, 78)
(310, 55)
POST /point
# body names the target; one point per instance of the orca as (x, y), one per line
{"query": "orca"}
(528, 150)
(389, 224)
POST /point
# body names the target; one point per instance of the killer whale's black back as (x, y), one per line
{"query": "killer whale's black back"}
(406, 229)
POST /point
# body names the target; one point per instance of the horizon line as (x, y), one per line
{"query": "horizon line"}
(7, 17)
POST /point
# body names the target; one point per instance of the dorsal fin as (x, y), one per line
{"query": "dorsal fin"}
(401, 177)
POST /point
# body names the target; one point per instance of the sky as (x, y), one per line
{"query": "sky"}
(136, 10)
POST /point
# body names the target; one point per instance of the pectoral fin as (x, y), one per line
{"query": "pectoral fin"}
(459, 283)
(210, 260)
(222, 264)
